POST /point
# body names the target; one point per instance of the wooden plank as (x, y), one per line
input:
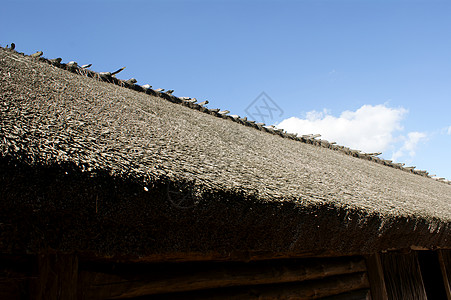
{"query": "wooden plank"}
(376, 277)
(354, 295)
(56, 277)
(158, 280)
(402, 275)
(15, 275)
(13, 289)
(316, 289)
(444, 257)
(244, 256)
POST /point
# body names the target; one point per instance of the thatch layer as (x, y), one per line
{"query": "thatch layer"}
(146, 176)
(191, 103)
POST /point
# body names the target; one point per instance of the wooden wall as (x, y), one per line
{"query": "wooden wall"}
(64, 276)
(392, 275)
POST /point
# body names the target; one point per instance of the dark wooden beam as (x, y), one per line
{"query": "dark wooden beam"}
(315, 289)
(376, 277)
(244, 256)
(444, 257)
(123, 283)
(363, 294)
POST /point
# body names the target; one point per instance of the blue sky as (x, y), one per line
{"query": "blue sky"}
(373, 75)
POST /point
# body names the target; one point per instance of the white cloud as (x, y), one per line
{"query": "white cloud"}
(449, 130)
(369, 128)
(410, 144)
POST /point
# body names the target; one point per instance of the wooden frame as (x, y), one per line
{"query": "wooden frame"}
(376, 277)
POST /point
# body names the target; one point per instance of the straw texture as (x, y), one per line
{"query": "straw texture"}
(187, 181)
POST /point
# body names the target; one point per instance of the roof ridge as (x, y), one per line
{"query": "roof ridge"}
(109, 77)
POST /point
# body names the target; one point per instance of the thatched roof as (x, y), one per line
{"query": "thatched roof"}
(90, 166)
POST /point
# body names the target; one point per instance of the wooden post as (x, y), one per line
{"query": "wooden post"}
(376, 277)
(444, 257)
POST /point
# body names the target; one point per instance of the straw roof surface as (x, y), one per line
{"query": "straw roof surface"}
(91, 166)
